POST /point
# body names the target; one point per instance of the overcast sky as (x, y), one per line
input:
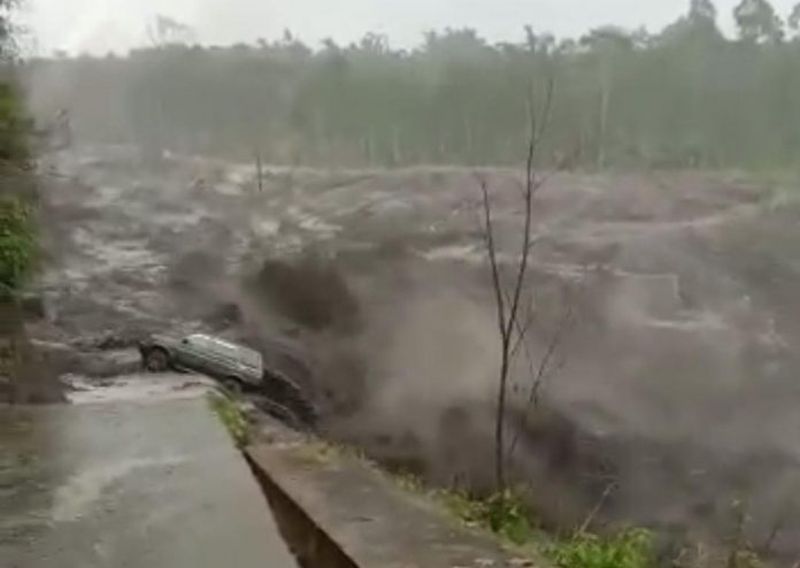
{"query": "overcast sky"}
(98, 26)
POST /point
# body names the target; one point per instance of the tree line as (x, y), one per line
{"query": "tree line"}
(686, 96)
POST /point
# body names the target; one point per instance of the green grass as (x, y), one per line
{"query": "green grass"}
(509, 517)
(628, 549)
(408, 482)
(326, 453)
(232, 417)
(505, 514)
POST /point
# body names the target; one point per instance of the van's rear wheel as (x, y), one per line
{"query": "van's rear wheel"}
(156, 361)
(233, 386)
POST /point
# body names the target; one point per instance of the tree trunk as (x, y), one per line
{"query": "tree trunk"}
(468, 133)
(370, 148)
(396, 154)
(605, 102)
(499, 433)
(259, 171)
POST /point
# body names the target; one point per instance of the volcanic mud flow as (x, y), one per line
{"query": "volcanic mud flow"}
(675, 383)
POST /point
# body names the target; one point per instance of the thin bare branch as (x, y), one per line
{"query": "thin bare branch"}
(778, 526)
(490, 246)
(522, 328)
(538, 129)
(610, 488)
(546, 110)
(526, 240)
(535, 241)
(508, 306)
(259, 169)
(532, 185)
(564, 325)
(545, 368)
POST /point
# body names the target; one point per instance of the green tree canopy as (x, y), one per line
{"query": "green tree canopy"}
(702, 11)
(794, 19)
(684, 97)
(758, 22)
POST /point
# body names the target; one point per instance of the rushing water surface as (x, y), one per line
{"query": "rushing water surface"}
(139, 475)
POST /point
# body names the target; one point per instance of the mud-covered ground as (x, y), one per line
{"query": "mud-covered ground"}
(140, 474)
(676, 384)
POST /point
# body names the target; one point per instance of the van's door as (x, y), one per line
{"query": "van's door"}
(221, 359)
(192, 353)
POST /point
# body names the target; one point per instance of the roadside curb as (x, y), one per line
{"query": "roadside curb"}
(307, 541)
(339, 512)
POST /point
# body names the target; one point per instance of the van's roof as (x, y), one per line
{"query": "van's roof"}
(249, 356)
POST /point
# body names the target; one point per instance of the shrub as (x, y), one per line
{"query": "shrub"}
(17, 244)
(232, 417)
(505, 514)
(628, 549)
(14, 125)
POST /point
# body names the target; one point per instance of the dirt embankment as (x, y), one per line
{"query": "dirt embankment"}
(370, 288)
(24, 377)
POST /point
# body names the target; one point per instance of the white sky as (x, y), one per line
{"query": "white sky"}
(99, 26)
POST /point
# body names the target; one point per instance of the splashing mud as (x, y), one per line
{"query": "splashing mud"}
(74, 499)
(678, 381)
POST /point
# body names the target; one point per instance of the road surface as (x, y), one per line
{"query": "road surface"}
(138, 476)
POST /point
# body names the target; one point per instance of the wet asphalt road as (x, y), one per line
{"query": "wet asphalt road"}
(141, 478)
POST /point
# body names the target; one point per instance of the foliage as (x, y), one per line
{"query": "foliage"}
(14, 127)
(506, 514)
(408, 482)
(8, 45)
(758, 22)
(745, 559)
(794, 19)
(629, 549)
(323, 452)
(702, 10)
(686, 96)
(17, 244)
(232, 417)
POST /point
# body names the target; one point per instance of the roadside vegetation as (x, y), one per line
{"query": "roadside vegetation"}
(627, 549)
(232, 417)
(17, 232)
(510, 516)
(17, 245)
(22, 379)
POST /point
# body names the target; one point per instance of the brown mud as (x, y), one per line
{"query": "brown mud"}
(370, 289)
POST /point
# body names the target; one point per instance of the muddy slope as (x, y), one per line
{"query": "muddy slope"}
(370, 289)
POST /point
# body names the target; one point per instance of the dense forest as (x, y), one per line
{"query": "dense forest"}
(686, 96)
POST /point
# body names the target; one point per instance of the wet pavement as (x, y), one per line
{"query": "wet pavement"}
(140, 475)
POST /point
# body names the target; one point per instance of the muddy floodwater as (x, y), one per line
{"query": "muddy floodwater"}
(142, 481)
(676, 384)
